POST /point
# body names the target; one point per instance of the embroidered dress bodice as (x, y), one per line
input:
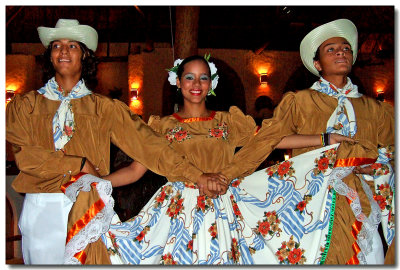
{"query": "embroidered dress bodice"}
(218, 134)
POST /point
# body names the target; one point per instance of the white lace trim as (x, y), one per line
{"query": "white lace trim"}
(98, 225)
(370, 224)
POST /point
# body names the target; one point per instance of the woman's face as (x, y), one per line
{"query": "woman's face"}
(335, 57)
(66, 57)
(195, 81)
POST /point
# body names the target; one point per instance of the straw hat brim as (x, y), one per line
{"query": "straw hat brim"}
(82, 33)
(339, 28)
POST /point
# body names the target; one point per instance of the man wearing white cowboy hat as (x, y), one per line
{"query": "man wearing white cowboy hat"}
(334, 105)
(63, 130)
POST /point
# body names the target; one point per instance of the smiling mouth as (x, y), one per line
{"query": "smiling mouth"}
(64, 60)
(341, 61)
(195, 92)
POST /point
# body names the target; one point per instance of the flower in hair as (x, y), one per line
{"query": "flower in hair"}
(172, 74)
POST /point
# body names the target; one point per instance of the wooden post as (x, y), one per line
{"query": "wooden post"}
(186, 31)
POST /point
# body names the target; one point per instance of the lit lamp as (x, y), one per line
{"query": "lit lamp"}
(9, 95)
(380, 95)
(134, 93)
(263, 78)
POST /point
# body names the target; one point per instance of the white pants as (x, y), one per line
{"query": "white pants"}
(43, 225)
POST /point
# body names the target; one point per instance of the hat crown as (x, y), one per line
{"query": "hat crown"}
(66, 23)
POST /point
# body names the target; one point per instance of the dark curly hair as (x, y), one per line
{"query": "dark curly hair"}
(89, 66)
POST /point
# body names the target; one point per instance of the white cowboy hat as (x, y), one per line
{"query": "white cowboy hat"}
(69, 29)
(339, 28)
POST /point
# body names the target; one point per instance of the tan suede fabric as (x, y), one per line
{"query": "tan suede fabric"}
(98, 121)
(213, 155)
(307, 112)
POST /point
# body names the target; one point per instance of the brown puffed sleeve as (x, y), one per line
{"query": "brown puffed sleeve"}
(31, 158)
(154, 123)
(243, 127)
(387, 125)
(283, 123)
(146, 146)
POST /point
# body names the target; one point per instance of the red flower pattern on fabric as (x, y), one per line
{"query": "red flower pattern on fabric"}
(301, 205)
(295, 255)
(284, 168)
(323, 164)
(220, 131)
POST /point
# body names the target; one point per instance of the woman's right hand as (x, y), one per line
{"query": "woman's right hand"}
(338, 138)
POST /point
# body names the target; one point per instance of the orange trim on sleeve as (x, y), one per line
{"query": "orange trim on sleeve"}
(83, 221)
(81, 256)
(348, 162)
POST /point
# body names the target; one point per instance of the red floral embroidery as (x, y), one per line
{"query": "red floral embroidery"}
(264, 227)
(190, 245)
(234, 254)
(167, 259)
(295, 255)
(176, 206)
(220, 131)
(323, 164)
(281, 170)
(269, 225)
(384, 196)
(68, 130)
(201, 202)
(381, 201)
(236, 183)
(235, 207)
(291, 253)
(204, 203)
(301, 205)
(164, 194)
(112, 250)
(177, 134)
(217, 133)
(213, 231)
(142, 234)
(181, 135)
(380, 169)
(284, 168)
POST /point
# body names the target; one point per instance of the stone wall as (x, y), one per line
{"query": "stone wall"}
(147, 71)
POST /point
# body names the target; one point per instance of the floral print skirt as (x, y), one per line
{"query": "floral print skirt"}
(279, 215)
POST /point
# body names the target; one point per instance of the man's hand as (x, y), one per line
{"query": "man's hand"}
(338, 138)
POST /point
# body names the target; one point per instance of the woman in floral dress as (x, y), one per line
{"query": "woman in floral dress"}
(179, 225)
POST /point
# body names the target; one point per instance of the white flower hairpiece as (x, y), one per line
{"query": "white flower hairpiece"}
(172, 74)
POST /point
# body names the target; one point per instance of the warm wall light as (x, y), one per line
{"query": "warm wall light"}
(263, 78)
(9, 95)
(134, 93)
(380, 95)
